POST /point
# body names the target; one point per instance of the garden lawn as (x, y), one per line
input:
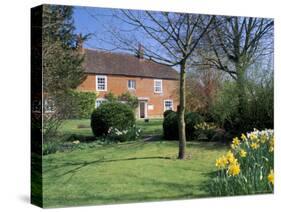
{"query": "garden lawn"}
(82, 127)
(128, 172)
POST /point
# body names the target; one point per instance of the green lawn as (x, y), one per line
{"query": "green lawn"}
(154, 126)
(127, 172)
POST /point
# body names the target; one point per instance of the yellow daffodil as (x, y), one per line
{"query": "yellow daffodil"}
(270, 177)
(243, 153)
(236, 141)
(221, 162)
(243, 137)
(271, 144)
(234, 169)
(255, 145)
(230, 157)
(263, 138)
(253, 137)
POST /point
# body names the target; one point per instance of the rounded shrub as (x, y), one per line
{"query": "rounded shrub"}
(170, 125)
(111, 115)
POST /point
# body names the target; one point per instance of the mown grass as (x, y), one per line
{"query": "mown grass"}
(82, 127)
(127, 172)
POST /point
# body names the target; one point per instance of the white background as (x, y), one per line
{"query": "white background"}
(14, 102)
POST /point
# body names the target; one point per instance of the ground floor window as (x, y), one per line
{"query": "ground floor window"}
(168, 104)
(49, 105)
(99, 101)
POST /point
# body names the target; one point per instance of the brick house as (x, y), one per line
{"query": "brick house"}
(154, 85)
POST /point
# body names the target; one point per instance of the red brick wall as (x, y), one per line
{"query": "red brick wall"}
(144, 88)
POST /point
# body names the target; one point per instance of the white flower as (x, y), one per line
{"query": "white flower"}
(76, 142)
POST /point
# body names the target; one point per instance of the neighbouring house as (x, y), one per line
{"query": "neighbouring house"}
(155, 85)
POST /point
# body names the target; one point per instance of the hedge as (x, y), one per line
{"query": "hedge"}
(82, 103)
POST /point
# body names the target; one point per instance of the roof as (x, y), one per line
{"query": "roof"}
(109, 63)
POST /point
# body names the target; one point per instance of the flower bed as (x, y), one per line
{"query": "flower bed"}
(248, 167)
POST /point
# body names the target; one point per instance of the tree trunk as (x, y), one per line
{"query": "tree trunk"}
(181, 112)
(241, 92)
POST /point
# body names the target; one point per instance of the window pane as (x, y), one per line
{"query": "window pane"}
(101, 83)
(132, 84)
(158, 86)
(168, 105)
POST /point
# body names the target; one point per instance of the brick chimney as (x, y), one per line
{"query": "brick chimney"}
(140, 53)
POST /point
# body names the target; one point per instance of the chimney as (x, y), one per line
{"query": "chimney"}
(140, 53)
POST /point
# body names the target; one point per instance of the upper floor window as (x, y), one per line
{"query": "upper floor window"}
(101, 83)
(131, 84)
(168, 104)
(158, 86)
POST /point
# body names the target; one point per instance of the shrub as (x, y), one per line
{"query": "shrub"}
(167, 112)
(81, 104)
(170, 125)
(205, 131)
(192, 119)
(257, 109)
(248, 167)
(112, 114)
(126, 98)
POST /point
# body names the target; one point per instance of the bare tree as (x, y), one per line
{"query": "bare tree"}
(166, 38)
(236, 44)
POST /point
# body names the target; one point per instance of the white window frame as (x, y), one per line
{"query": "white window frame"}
(49, 105)
(172, 104)
(161, 86)
(101, 100)
(132, 88)
(105, 82)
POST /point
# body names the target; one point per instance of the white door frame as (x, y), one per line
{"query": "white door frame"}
(145, 109)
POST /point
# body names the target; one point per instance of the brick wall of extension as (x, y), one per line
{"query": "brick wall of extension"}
(151, 103)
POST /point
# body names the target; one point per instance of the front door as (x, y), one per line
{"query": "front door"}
(142, 107)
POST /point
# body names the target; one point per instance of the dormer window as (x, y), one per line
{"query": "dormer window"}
(101, 83)
(158, 86)
(132, 84)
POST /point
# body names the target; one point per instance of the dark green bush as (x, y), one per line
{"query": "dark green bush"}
(192, 119)
(112, 115)
(167, 112)
(170, 125)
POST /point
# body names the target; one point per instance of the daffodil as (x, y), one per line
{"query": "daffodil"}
(253, 137)
(233, 169)
(271, 144)
(221, 162)
(255, 145)
(263, 138)
(243, 137)
(236, 141)
(243, 153)
(270, 177)
(230, 157)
